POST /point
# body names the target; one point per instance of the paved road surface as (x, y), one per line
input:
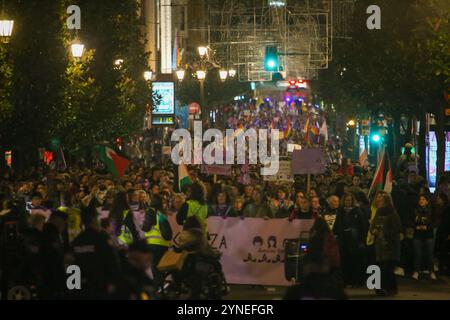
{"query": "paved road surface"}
(408, 290)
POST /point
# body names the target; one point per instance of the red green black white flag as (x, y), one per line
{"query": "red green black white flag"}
(114, 162)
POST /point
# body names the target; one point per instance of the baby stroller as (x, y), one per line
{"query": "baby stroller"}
(295, 253)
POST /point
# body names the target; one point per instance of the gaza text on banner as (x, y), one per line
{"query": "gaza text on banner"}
(253, 248)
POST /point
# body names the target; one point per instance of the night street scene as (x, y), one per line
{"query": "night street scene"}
(232, 150)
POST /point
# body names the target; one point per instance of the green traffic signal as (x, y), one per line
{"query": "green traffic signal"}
(376, 138)
(271, 59)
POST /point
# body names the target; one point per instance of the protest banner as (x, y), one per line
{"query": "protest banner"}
(218, 169)
(253, 248)
(284, 172)
(308, 161)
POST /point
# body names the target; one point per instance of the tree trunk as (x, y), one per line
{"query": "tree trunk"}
(422, 146)
(440, 138)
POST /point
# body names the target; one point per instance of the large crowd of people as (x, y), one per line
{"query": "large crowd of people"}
(117, 230)
(46, 221)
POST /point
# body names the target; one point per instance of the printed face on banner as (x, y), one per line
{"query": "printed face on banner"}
(252, 249)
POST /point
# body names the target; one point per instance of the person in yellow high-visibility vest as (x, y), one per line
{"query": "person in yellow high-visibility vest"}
(159, 236)
(125, 236)
(195, 206)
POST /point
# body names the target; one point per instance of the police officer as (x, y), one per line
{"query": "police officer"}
(13, 222)
(135, 282)
(159, 236)
(95, 255)
(52, 254)
(33, 265)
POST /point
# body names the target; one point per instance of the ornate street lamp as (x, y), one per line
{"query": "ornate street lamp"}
(148, 75)
(232, 73)
(118, 63)
(180, 74)
(6, 25)
(202, 51)
(6, 28)
(223, 74)
(201, 75)
(77, 49)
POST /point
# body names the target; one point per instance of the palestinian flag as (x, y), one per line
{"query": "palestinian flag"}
(363, 157)
(378, 178)
(115, 163)
(389, 178)
(183, 176)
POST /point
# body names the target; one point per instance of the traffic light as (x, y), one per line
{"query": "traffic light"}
(271, 59)
(376, 138)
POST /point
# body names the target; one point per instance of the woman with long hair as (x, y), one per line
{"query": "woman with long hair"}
(350, 229)
(386, 227)
(194, 206)
(118, 208)
(159, 235)
(281, 204)
(221, 206)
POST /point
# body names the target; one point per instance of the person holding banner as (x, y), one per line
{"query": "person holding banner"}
(301, 210)
(281, 204)
(258, 208)
(195, 206)
(221, 207)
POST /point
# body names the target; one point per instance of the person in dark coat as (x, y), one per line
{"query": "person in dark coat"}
(386, 228)
(52, 256)
(351, 232)
(301, 210)
(134, 282)
(443, 234)
(94, 253)
(221, 207)
(423, 238)
(318, 283)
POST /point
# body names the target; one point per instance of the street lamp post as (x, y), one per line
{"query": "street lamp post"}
(201, 76)
(6, 28)
(202, 51)
(6, 25)
(148, 76)
(223, 74)
(77, 50)
(180, 74)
